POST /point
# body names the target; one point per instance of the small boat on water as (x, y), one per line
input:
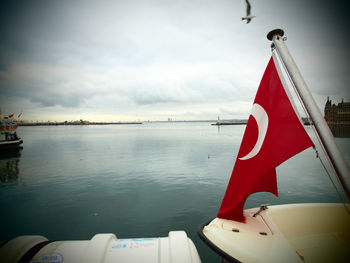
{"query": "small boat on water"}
(309, 232)
(9, 140)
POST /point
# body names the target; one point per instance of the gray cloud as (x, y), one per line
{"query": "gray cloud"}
(180, 56)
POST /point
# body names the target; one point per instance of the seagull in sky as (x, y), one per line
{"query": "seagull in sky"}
(249, 16)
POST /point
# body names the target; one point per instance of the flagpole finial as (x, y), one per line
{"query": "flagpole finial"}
(278, 32)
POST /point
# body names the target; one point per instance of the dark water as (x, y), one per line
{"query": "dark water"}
(71, 182)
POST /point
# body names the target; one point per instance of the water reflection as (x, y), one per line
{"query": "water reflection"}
(340, 130)
(9, 170)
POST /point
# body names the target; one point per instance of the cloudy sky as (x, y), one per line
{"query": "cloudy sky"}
(128, 60)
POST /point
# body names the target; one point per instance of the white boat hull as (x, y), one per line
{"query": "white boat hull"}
(283, 233)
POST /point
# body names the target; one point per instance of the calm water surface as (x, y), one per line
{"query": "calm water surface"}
(71, 182)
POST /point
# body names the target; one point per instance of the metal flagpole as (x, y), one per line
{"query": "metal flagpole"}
(340, 166)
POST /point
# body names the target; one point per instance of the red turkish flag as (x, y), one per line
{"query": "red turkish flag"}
(274, 133)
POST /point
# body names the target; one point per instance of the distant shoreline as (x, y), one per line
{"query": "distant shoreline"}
(82, 122)
(72, 123)
(231, 123)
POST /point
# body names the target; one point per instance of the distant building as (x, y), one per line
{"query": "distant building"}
(338, 118)
(337, 113)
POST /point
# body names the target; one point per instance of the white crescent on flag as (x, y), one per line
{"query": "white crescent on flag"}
(262, 119)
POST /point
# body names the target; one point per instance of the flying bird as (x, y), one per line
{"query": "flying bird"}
(249, 16)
